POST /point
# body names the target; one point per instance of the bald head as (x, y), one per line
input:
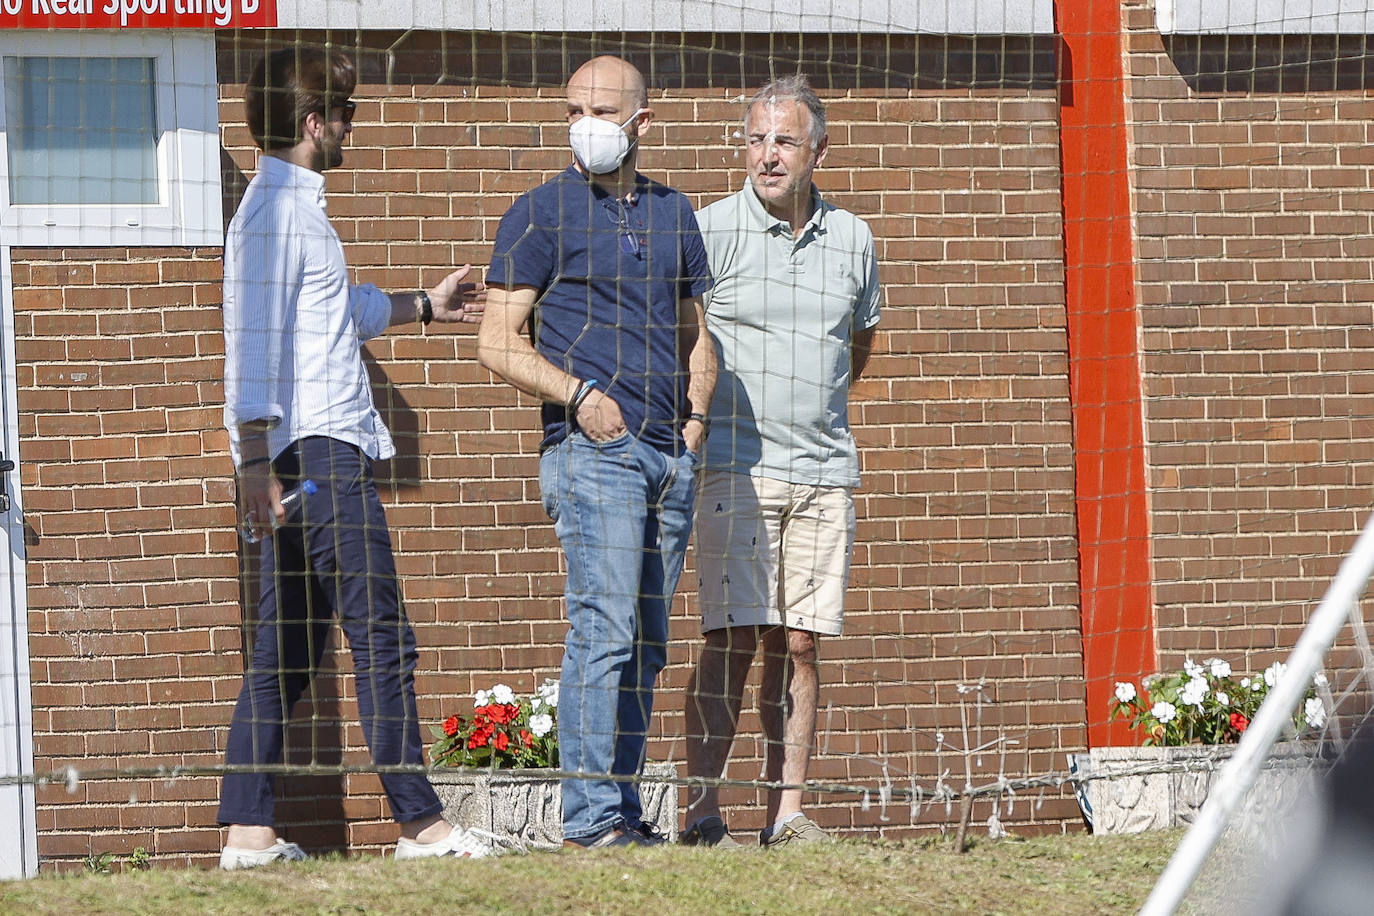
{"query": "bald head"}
(607, 81)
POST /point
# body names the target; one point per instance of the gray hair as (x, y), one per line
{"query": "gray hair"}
(797, 89)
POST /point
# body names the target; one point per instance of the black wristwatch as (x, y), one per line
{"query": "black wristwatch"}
(426, 310)
(704, 420)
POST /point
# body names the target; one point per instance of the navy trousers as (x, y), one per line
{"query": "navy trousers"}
(331, 559)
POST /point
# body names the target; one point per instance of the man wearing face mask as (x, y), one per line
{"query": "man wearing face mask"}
(794, 311)
(607, 268)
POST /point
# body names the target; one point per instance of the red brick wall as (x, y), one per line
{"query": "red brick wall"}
(133, 595)
(965, 566)
(1251, 165)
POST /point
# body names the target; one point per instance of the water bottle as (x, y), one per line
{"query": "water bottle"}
(288, 500)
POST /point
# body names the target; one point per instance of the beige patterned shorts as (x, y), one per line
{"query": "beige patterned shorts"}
(747, 527)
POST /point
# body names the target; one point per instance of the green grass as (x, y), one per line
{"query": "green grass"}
(1062, 875)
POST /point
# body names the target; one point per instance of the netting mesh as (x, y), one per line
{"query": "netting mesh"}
(999, 586)
(697, 90)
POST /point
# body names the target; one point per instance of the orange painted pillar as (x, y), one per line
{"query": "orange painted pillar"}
(1105, 386)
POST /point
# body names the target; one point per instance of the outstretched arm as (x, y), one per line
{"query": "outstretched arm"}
(451, 300)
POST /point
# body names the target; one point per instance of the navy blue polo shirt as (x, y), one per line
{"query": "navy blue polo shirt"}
(610, 274)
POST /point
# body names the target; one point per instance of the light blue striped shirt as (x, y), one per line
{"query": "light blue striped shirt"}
(293, 325)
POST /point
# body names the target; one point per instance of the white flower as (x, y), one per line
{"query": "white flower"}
(1223, 699)
(481, 698)
(1163, 711)
(541, 725)
(1315, 711)
(1125, 691)
(1194, 692)
(1219, 667)
(1274, 673)
(1320, 680)
(536, 703)
(1192, 668)
(1245, 682)
(503, 694)
(548, 692)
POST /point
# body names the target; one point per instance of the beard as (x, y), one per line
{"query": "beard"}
(329, 150)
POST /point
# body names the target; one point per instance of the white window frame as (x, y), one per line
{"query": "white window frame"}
(188, 211)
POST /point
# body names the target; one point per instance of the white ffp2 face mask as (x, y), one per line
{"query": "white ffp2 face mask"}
(598, 144)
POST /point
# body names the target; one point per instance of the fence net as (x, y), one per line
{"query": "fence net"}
(1067, 483)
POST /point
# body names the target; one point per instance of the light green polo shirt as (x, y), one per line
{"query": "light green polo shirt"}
(783, 312)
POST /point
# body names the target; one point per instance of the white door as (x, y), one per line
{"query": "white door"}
(18, 836)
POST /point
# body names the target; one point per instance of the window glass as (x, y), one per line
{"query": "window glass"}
(82, 130)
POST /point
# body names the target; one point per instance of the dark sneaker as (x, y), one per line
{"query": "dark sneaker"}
(618, 835)
(799, 830)
(710, 831)
(650, 834)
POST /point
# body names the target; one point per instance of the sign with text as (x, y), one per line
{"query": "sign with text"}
(137, 14)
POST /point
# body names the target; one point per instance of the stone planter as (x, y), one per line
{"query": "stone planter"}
(1154, 788)
(527, 807)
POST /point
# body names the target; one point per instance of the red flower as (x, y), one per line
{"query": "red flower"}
(526, 737)
(481, 736)
(1239, 722)
(501, 741)
(502, 714)
(451, 726)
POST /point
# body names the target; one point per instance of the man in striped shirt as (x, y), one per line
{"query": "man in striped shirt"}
(300, 416)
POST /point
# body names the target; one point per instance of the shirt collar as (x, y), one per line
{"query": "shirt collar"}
(573, 174)
(766, 221)
(280, 173)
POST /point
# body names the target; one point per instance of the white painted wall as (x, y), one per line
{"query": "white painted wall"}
(1265, 17)
(957, 17)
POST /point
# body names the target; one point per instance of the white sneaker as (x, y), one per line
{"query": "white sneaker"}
(460, 844)
(234, 858)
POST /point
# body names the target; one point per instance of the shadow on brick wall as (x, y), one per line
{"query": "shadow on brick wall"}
(1273, 63)
(233, 184)
(403, 470)
(309, 806)
(691, 60)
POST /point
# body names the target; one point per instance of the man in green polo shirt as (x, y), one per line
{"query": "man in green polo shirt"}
(793, 313)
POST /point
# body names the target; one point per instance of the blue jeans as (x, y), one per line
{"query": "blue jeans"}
(623, 512)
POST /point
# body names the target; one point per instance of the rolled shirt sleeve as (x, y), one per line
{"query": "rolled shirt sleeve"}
(371, 310)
